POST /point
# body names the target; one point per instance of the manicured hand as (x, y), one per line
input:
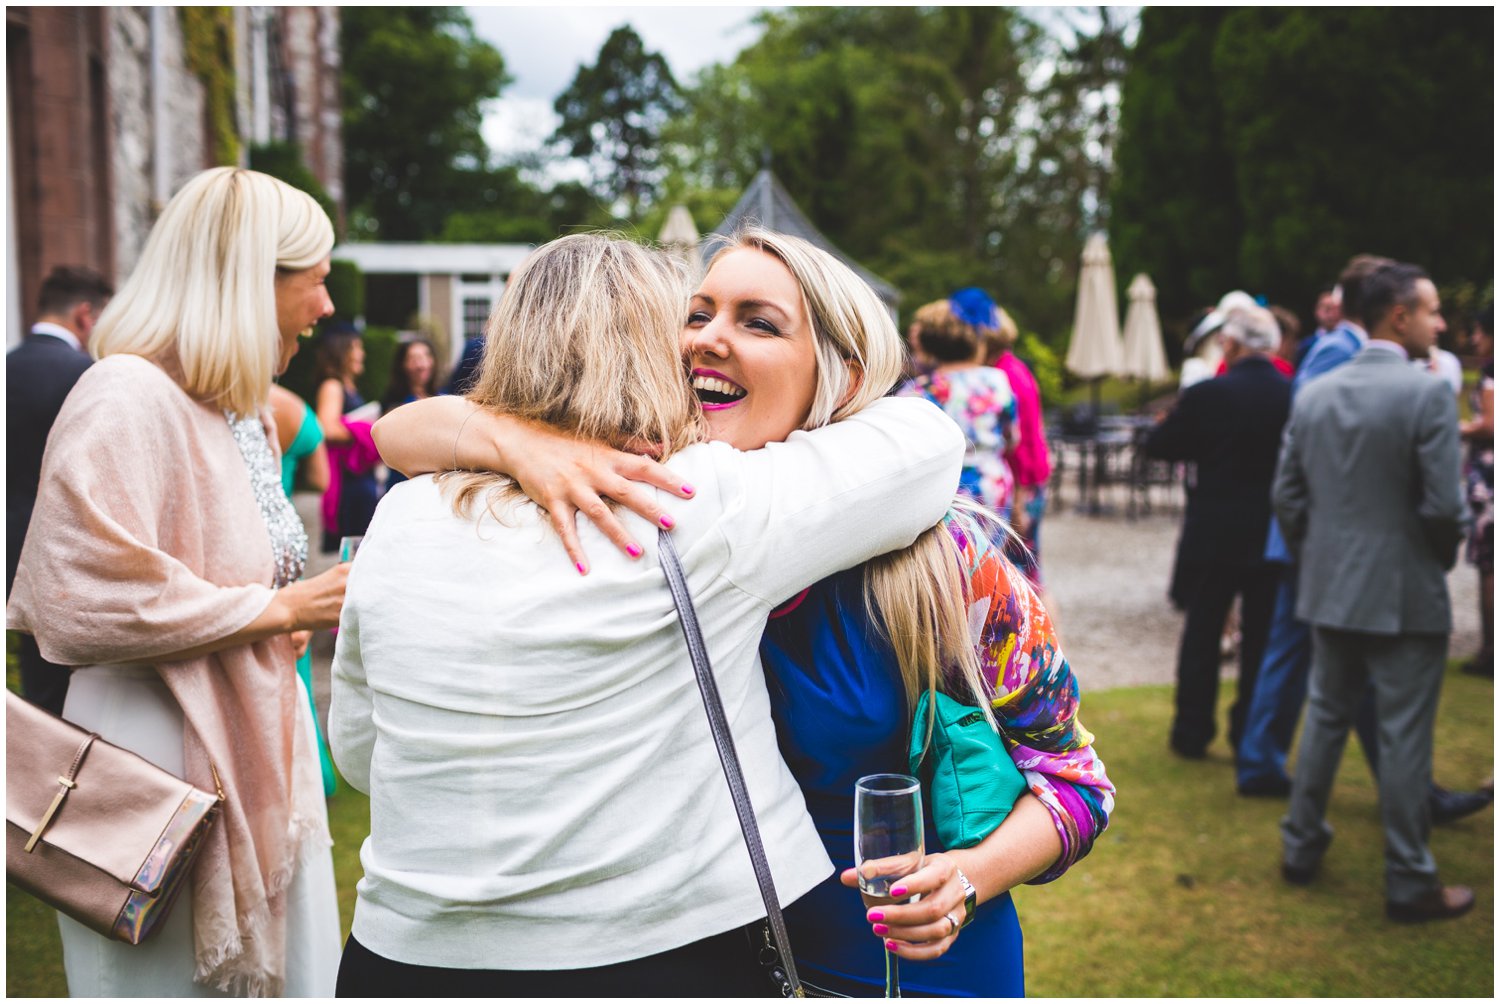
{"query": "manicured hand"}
(567, 476)
(918, 929)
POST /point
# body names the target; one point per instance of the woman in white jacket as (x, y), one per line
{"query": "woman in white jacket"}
(548, 814)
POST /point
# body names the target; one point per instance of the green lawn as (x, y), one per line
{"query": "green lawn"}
(1182, 897)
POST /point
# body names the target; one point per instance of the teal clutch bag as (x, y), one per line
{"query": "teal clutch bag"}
(970, 779)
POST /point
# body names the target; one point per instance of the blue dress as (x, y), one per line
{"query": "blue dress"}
(840, 712)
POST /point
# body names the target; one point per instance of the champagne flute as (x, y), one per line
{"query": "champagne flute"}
(888, 843)
(349, 547)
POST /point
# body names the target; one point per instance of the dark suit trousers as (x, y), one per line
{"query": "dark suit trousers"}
(1210, 591)
(42, 683)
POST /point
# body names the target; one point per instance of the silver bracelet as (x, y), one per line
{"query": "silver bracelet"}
(462, 426)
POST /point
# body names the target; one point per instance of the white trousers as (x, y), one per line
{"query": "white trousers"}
(131, 707)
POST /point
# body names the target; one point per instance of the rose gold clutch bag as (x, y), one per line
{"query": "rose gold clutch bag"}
(93, 830)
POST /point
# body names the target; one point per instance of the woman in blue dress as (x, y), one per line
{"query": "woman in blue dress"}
(847, 658)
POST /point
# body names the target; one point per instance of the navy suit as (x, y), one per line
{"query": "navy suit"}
(1230, 428)
(39, 374)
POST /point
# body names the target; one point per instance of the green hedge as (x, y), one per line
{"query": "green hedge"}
(380, 346)
(283, 161)
(346, 287)
(1045, 366)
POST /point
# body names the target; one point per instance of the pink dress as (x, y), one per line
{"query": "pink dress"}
(1028, 459)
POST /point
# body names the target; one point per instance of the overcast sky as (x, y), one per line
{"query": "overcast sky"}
(544, 46)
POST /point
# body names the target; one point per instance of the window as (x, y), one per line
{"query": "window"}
(476, 312)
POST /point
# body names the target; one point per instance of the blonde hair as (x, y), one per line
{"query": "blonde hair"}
(998, 341)
(943, 336)
(204, 292)
(586, 339)
(918, 596)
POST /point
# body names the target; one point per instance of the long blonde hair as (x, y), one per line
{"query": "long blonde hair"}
(917, 596)
(204, 291)
(586, 339)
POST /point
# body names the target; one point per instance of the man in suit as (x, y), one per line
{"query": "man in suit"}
(1230, 427)
(39, 373)
(1281, 686)
(1367, 496)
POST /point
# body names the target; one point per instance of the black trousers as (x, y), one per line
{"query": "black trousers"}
(1210, 592)
(42, 683)
(724, 965)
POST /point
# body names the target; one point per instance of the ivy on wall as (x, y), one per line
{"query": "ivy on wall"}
(208, 38)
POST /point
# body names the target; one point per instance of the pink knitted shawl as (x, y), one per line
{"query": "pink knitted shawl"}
(146, 540)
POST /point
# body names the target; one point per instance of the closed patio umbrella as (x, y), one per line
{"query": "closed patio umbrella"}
(1145, 358)
(679, 237)
(1094, 352)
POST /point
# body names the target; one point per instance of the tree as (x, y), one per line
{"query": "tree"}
(1175, 209)
(925, 142)
(415, 80)
(1261, 148)
(520, 213)
(612, 115)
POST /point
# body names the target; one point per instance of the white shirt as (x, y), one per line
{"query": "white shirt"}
(1445, 365)
(1386, 345)
(545, 793)
(57, 331)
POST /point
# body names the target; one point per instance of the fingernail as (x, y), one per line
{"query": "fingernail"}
(890, 946)
(666, 521)
(581, 569)
(874, 915)
(882, 929)
(898, 891)
(633, 551)
(687, 489)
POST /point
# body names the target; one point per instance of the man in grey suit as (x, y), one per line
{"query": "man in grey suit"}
(1367, 494)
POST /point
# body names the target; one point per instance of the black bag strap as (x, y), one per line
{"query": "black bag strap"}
(719, 725)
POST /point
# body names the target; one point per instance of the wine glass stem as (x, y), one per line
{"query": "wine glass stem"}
(892, 974)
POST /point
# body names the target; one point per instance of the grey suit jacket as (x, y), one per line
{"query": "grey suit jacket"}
(1368, 494)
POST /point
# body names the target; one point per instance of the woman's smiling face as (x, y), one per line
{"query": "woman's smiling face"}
(749, 345)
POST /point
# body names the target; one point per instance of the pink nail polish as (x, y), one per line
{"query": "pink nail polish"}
(890, 946)
(666, 521)
(875, 916)
(581, 569)
(687, 489)
(882, 929)
(633, 551)
(898, 891)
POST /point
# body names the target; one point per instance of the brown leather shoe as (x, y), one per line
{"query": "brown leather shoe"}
(1442, 903)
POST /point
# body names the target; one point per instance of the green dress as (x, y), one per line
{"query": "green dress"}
(309, 438)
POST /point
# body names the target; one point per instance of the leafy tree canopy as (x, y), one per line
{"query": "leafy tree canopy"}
(415, 80)
(612, 116)
(1263, 147)
(928, 143)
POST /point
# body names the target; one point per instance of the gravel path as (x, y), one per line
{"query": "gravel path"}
(1107, 577)
(1108, 581)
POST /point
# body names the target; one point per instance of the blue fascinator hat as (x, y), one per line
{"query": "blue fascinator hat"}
(974, 307)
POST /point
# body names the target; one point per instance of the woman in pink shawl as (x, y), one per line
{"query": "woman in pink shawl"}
(163, 564)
